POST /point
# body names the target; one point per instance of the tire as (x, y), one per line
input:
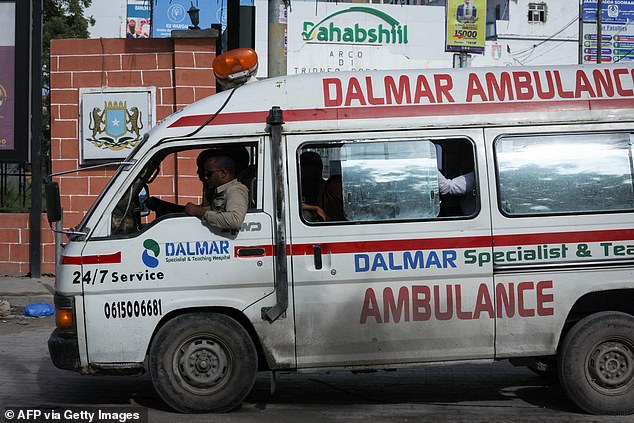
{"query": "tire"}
(202, 362)
(596, 363)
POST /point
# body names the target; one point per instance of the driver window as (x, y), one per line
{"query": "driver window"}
(171, 179)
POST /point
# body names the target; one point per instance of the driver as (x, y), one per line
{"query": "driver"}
(229, 199)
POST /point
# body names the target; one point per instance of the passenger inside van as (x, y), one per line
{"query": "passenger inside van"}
(312, 186)
(332, 199)
(456, 178)
(330, 208)
(462, 185)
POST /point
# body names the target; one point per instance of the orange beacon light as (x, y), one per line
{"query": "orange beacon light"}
(236, 66)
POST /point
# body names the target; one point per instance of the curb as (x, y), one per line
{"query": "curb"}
(24, 300)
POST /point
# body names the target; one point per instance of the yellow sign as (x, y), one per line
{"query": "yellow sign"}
(466, 25)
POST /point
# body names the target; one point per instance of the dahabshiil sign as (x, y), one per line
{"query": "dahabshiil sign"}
(386, 29)
(333, 37)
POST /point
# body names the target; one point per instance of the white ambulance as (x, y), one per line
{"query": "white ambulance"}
(465, 215)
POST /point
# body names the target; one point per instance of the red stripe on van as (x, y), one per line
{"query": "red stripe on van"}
(222, 119)
(465, 242)
(563, 237)
(387, 245)
(97, 259)
(394, 245)
(370, 112)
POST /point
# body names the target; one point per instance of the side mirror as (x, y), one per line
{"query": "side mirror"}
(53, 205)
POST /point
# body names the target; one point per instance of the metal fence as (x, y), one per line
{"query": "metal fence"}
(15, 187)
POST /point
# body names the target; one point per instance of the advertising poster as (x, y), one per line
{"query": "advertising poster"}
(617, 31)
(138, 23)
(7, 76)
(170, 15)
(113, 121)
(466, 26)
(335, 37)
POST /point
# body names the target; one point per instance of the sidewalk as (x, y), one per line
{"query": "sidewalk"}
(22, 291)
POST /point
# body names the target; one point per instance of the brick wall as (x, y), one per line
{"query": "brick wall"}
(14, 244)
(181, 71)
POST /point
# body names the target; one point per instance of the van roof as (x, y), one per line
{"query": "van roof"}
(400, 99)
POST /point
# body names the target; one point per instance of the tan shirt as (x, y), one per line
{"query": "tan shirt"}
(228, 207)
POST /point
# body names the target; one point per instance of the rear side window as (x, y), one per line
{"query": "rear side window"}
(559, 174)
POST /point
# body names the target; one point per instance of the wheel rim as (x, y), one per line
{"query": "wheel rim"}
(202, 364)
(610, 366)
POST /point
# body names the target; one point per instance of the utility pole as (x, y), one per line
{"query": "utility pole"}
(36, 138)
(464, 59)
(277, 38)
(233, 24)
(599, 31)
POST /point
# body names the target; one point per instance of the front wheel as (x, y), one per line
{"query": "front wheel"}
(202, 362)
(596, 363)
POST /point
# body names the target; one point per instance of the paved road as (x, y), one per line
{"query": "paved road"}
(495, 392)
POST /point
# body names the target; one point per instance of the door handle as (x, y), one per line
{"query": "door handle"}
(317, 257)
(251, 252)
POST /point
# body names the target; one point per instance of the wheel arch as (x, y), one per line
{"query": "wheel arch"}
(235, 314)
(597, 301)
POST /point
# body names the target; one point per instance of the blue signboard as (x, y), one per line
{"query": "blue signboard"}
(169, 15)
(614, 11)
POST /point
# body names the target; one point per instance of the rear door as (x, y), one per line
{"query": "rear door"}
(397, 274)
(562, 224)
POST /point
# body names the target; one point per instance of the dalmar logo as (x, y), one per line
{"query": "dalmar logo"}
(151, 252)
(392, 33)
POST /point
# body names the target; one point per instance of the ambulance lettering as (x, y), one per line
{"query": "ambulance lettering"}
(353, 92)
(490, 87)
(420, 303)
(545, 85)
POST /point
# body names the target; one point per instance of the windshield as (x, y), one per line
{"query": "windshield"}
(81, 227)
(122, 168)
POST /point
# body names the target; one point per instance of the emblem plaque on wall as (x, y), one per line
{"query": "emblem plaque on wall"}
(114, 120)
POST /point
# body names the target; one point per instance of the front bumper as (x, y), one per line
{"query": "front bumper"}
(64, 350)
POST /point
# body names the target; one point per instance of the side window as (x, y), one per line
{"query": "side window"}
(558, 174)
(174, 177)
(395, 180)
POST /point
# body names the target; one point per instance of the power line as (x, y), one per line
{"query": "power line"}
(573, 21)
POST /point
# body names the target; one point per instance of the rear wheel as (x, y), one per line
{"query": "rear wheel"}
(202, 362)
(596, 363)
